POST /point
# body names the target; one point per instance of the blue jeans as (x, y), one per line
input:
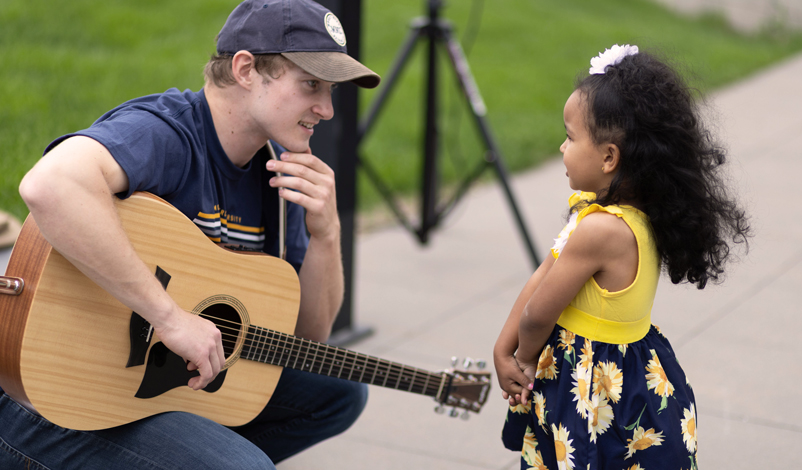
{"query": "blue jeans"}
(304, 410)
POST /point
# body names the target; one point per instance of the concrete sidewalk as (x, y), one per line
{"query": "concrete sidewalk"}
(735, 341)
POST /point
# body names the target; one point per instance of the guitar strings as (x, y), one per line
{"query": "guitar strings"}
(393, 373)
(283, 343)
(383, 372)
(334, 357)
(370, 369)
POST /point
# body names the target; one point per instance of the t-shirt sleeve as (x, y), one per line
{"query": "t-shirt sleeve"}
(154, 154)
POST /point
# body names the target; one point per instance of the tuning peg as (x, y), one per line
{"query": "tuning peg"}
(465, 416)
(453, 413)
(454, 361)
(466, 364)
(440, 409)
(481, 364)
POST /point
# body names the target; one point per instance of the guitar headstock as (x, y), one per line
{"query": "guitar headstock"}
(465, 389)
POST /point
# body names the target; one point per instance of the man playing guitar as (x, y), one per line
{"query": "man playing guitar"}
(276, 66)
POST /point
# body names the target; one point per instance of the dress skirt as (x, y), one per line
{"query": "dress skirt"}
(602, 406)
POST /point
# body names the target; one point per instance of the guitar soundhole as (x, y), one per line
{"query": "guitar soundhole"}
(231, 318)
(227, 320)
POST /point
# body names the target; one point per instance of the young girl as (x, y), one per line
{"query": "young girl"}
(591, 383)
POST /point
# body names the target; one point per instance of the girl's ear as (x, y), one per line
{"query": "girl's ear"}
(241, 67)
(612, 158)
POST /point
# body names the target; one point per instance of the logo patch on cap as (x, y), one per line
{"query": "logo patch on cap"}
(334, 28)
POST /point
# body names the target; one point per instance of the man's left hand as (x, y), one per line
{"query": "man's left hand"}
(314, 190)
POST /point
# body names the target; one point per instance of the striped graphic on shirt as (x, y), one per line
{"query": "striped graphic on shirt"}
(221, 230)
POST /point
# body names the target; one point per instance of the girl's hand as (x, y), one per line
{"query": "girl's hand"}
(528, 370)
(515, 385)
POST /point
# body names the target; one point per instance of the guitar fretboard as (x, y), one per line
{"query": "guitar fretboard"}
(281, 349)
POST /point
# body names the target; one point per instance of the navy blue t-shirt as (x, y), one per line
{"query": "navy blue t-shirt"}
(167, 145)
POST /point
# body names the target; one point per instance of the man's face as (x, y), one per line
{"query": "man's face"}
(288, 107)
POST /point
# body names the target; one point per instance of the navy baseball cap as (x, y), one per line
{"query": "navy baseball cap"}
(304, 32)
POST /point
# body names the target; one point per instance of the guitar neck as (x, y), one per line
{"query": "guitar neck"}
(281, 349)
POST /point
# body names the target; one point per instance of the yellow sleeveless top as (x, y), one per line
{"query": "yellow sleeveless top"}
(613, 317)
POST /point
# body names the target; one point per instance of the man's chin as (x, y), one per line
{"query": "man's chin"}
(294, 147)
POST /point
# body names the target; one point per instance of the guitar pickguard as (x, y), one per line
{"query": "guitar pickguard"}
(139, 330)
(166, 370)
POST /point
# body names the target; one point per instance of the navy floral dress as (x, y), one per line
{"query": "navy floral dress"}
(601, 405)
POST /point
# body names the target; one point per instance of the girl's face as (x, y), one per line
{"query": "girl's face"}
(584, 160)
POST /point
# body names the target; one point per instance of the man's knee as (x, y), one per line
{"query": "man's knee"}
(348, 402)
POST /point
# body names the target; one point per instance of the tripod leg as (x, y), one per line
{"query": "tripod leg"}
(479, 111)
(398, 65)
(385, 193)
(415, 33)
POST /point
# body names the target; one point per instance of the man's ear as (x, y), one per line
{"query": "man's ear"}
(612, 157)
(241, 67)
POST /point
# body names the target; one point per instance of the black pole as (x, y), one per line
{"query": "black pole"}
(431, 142)
(335, 142)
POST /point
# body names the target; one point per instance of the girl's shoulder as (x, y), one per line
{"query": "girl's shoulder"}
(604, 230)
(600, 224)
(606, 243)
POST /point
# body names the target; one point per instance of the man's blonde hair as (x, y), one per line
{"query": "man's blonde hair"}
(218, 69)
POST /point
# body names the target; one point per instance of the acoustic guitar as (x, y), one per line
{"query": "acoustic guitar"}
(74, 354)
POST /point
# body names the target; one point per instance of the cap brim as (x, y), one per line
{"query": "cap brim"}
(334, 67)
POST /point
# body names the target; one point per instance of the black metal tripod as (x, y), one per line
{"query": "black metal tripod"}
(439, 31)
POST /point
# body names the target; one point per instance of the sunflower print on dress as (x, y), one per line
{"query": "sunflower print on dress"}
(605, 406)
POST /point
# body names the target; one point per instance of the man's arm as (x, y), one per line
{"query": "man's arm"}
(72, 188)
(321, 276)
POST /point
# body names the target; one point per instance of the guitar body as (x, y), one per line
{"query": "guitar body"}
(66, 342)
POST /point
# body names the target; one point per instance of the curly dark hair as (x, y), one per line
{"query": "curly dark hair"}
(670, 165)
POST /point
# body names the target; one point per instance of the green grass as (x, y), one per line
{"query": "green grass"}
(63, 64)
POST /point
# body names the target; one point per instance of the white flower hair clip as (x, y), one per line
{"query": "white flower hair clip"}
(611, 56)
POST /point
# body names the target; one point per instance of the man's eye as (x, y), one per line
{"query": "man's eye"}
(312, 83)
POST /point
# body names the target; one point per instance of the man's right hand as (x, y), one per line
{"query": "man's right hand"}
(198, 342)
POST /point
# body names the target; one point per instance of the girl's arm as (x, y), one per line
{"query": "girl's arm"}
(602, 245)
(509, 374)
